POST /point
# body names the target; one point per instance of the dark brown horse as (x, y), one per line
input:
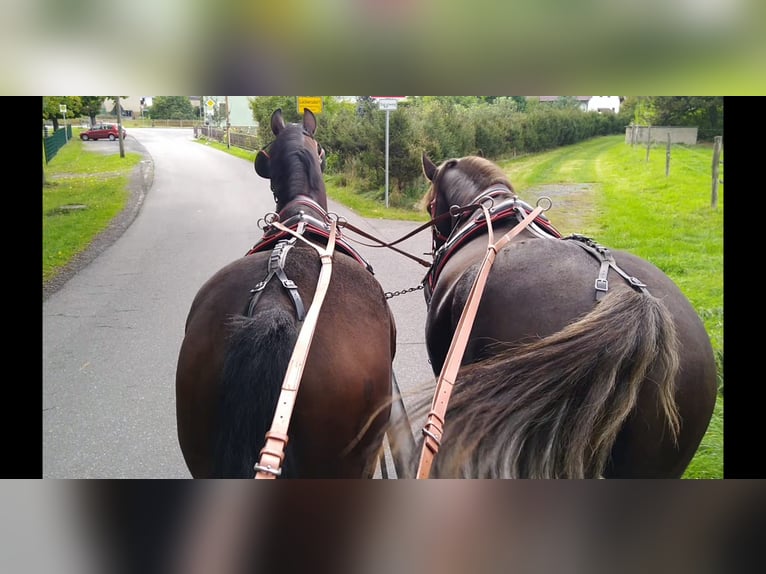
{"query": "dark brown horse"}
(244, 323)
(583, 362)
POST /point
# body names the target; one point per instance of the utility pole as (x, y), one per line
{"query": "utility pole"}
(228, 123)
(119, 125)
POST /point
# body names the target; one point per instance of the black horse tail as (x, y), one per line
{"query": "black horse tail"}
(552, 408)
(259, 351)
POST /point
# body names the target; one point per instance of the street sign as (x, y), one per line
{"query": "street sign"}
(314, 103)
(210, 103)
(62, 108)
(388, 104)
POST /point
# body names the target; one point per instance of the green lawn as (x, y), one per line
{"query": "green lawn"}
(84, 191)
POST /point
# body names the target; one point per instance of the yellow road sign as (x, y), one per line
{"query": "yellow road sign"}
(314, 103)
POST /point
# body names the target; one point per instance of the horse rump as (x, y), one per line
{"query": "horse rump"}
(552, 407)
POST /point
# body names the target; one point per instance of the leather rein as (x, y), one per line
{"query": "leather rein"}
(272, 454)
(433, 430)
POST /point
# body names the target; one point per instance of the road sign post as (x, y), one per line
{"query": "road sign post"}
(62, 109)
(388, 112)
(387, 104)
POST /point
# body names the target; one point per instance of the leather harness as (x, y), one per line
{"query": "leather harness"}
(280, 238)
(269, 465)
(531, 219)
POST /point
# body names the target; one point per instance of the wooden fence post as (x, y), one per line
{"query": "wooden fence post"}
(716, 162)
(648, 141)
(667, 158)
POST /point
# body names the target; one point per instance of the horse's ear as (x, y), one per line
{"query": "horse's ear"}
(429, 168)
(263, 164)
(309, 121)
(277, 121)
(480, 153)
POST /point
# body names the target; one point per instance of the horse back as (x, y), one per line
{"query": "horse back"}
(538, 286)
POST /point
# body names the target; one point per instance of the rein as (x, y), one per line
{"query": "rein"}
(272, 454)
(453, 212)
(433, 430)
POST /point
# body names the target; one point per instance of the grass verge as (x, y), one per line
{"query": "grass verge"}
(83, 192)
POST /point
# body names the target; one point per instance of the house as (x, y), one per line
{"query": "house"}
(604, 104)
(591, 103)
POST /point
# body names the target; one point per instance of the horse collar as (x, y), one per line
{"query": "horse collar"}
(509, 208)
(308, 224)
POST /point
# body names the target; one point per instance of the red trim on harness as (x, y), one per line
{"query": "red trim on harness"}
(267, 243)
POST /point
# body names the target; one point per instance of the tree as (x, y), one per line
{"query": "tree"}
(91, 107)
(705, 112)
(264, 106)
(52, 108)
(567, 103)
(172, 108)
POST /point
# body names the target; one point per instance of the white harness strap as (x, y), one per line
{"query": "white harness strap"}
(272, 454)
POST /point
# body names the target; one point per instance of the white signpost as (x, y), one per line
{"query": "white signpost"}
(62, 109)
(388, 104)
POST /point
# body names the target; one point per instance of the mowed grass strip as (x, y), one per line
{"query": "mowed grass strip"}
(84, 191)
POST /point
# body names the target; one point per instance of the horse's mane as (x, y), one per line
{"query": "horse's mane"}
(295, 168)
(468, 177)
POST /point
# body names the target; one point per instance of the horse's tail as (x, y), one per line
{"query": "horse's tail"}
(552, 408)
(258, 352)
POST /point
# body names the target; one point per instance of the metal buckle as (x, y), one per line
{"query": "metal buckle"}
(602, 284)
(430, 434)
(258, 468)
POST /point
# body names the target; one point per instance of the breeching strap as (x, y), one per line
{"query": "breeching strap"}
(434, 427)
(272, 454)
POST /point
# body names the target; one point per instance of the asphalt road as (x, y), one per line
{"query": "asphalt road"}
(113, 324)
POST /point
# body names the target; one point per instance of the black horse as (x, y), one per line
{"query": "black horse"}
(243, 326)
(582, 362)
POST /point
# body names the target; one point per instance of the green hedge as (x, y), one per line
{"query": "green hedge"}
(354, 136)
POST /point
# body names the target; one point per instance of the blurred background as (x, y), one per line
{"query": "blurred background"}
(641, 46)
(359, 527)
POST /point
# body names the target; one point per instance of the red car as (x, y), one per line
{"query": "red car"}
(103, 131)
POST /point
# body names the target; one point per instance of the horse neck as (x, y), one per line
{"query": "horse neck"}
(302, 188)
(303, 204)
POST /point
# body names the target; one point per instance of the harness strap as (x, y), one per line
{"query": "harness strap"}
(272, 454)
(434, 427)
(606, 259)
(276, 267)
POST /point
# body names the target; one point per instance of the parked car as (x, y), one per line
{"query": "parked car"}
(103, 131)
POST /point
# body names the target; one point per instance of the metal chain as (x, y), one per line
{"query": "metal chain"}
(408, 290)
